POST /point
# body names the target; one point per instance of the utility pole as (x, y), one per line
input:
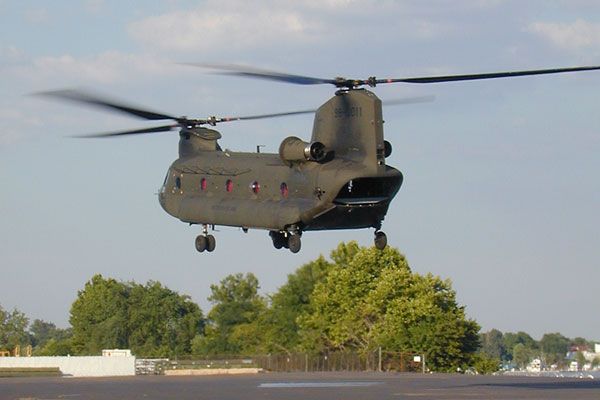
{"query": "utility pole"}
(379, 369)
(423, 363)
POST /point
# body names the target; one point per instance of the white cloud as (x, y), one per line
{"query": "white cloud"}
(15, 123)
(10, 54)
(114, 71)
(37, 16)
(236, 24)
(575, 35)
(94, 6)
(104, 68)
(204, 29)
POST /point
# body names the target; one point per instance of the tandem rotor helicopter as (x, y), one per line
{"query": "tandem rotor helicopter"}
(337, 180)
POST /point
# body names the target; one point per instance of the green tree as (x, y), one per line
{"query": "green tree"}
(484, 364)
(161, 322)
(521, 355)
(234, 322)
(150, 319)
(510, 340)
(492, 344)
(371, 298)
(42, 332)
(99, 316)
(288, 303)
(580, 358)
(13, 329)
(55, 347)
(554, 347)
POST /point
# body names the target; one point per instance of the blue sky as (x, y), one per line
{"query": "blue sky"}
(501, 191)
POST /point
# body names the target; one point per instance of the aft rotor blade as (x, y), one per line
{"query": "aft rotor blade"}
(409, 100)
(491, 75)
(164, 128)
(406, 100)
(98, 101)
(239, 70)
(340, 82)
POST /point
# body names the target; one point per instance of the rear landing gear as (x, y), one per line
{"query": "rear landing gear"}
(205, 241)
(288, 239)
(380, 240)
(294, 242)
(279, 239)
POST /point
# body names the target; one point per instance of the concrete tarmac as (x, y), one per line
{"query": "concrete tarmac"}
(291, 386)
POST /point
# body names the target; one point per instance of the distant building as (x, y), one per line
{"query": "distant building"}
(536, 365)
(588, 355)
(573, 366)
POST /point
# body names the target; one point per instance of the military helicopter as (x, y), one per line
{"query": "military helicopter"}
(337, 180)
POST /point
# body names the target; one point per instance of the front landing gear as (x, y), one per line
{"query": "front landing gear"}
(205, 241)
(380, 240)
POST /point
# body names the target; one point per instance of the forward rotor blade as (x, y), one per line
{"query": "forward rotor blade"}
(491, 75)
(239, 70)
(98, 101)
(262, 116)
(164, 128)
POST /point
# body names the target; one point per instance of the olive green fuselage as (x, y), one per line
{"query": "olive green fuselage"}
(351, 188)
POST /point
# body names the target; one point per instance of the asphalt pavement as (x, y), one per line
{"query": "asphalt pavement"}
(325, 386)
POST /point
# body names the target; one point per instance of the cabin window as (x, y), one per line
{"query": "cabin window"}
(178, 182)
(284, 189)
(255, 186)
(229, 185)
(203, 184)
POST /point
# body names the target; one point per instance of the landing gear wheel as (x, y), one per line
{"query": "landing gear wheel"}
(211, 243)
(278, 239)
(294, 243)
(201, 243)
(380, 240)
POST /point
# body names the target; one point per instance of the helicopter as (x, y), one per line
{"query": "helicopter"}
(338, 179)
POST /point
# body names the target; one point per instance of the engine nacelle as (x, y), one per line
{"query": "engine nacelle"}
(294, 149)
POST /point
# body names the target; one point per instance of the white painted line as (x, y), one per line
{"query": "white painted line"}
(317, 384)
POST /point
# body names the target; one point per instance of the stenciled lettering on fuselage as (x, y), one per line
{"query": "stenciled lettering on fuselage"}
(347, 112)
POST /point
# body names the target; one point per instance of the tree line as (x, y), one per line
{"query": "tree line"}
(519, 349)
(358, 300)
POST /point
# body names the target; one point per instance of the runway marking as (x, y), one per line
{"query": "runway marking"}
(274, 385)
(60, 396)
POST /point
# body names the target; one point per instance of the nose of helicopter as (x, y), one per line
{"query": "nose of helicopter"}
(165, 202)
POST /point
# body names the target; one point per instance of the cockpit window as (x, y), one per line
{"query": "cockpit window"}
(178, 182)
